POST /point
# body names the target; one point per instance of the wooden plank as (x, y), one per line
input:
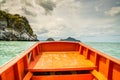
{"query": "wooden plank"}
(98, 75)
(64, 77)
(58, 60)
(17, 71)
(58, 46)
(109, 69)
(28, 76)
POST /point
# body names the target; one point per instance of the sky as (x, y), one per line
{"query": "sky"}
(86, 20)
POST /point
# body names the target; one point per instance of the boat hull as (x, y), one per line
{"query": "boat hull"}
(24, 67)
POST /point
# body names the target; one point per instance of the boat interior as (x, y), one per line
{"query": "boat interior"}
(61, 61)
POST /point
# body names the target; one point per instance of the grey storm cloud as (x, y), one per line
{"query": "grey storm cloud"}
(27, 12)
(48, 5)
(61, 18)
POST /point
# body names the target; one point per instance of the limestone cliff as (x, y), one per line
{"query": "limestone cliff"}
(15, 27)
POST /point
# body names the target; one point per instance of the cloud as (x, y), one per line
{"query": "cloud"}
(48, 5)
(118, 3)
(42, 31)
(113, 11)
(28, 12)
(2, 1)
(97, 8)
(73, 18)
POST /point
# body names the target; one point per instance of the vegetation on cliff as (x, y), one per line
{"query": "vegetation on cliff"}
(16, 22)
(15, 27)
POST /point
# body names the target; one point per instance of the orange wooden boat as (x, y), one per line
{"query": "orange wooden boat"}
(61, 61)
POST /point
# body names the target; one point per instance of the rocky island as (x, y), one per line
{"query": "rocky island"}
(67, 39)
(70, 39)
(50, 39)
(15, 28)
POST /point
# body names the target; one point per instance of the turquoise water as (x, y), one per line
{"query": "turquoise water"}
(10, 49)
(109, 48)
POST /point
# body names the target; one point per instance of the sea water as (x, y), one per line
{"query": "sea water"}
(109, 48)
(10, 49)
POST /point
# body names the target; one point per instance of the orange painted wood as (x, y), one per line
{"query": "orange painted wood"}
(108, 66)
(15, 69)
(116, 72)
(62, 61)
(98, 75)
(96, 61)
(105, 64)
(3, 76)
(26, 61)
(64, 77)
(109, 69)
(17, 72)
(80, 49)
(51, 60)
(8, 74)
(58, 46)
(28, 76)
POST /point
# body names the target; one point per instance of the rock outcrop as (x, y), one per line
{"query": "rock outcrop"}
(15, 27)
(50, 39)
(70, 39)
